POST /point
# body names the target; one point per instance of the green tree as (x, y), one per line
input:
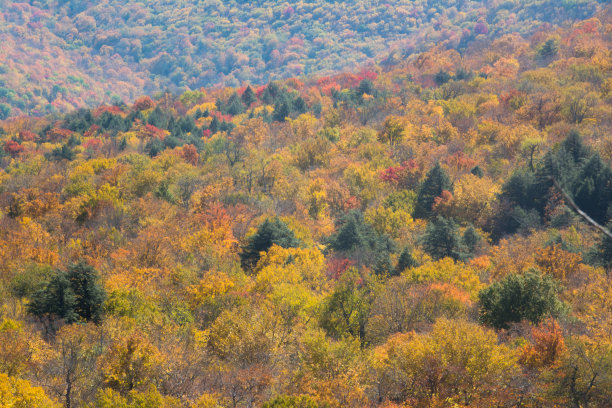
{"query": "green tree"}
(603, 250)
(405, 261)
(436, 181)
(55, 301)
(359, 240)
(346, 310)
(282, 110)
(248, 96)
(549, 48)
(269, 233)
(89, 294)
(470, 239)
(442, 239)
(529, 297)
(71, 296)
(234, 105)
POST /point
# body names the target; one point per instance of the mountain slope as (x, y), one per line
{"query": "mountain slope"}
(60, 55)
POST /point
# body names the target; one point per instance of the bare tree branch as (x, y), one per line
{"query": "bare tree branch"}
(584, 215)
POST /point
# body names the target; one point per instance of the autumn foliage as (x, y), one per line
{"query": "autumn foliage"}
(399, 236)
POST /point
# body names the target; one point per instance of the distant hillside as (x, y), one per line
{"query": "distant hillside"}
(386, 238)
(59, 55)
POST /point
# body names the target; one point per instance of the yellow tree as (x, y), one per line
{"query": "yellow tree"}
(457, 361)
(17, 393)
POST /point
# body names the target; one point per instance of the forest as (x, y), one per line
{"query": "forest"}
(402, 234)
(62, 55)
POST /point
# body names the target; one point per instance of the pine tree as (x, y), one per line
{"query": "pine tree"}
(71, 296)
(470, 240)
(248, 96)
(234, 105)
(405, 261)
(55, 301)
(442, 239)
(434, 184)
(89, 295)
(270, 232)
(359, 240)
(281, 111)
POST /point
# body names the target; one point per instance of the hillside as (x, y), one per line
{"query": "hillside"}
(395, 236)
(56, 56)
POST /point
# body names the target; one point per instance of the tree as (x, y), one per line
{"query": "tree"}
(442, 77)
(405, 261)
(18, 393)
(403, 305)
(73, 367)
(457, 361)
(530, 297)
(346, 310)
(603, 250)
(13, 148)
(248, 96)
(470, 239)
(436, 181)
(131, 363)
(393, 131)
(55, 301)
(442, 239)
(89, 295)
(549, 48)
(359, 240)
(581, 173)
(584, 376)
(71, 296)
(5, 111)
(270, 232)
(282, 110)
(234, 105)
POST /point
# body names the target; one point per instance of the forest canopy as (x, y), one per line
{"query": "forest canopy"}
(398, 235)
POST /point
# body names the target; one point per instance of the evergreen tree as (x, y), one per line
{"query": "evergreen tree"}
(270, 232)
(529, 297)
(470, 240)
(234, 105)
(436, 181)
(154, 147)
(442, 77)
(271, 94)
(442, 239)
(55, 301)
(123, 144)
(89, 295)
(405, 261)
(299, 105)
(603, 251)
(248, 96)
(360, 241)
(61, 153)
(214, 125)
(281, 111)
(158, 118)
(477, 171)
(71, 296)
(366, 86)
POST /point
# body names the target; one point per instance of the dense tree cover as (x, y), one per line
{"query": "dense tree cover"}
(62, 55)
(393, 237)
(528, 297)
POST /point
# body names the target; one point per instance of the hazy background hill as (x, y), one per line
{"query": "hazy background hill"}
(59, 55)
